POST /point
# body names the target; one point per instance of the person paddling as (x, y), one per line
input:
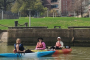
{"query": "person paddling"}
(59, 44)
(40, 44)
(18, 47)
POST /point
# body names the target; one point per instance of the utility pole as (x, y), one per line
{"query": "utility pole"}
(53, 13)
(29, 17)
(47, 12)
(81, 8)
(2, 12)
(89, 11)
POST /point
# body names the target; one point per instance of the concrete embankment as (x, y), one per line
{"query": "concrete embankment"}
(74, 37)
(3, 36)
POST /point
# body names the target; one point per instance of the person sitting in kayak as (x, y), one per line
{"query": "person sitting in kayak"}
(18, 47)
(59, 44)
(40, 44)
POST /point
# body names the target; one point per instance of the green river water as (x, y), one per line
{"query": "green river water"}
(78, 53)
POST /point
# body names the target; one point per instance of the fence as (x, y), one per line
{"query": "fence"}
(16, 25)
(8, 15)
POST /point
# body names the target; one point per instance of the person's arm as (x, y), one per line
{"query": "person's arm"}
(17, 48)
(44, 45)
(36, 45)
(62, 44)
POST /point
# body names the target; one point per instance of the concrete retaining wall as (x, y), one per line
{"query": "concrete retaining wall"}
(81, 37)
(3, 35)
(29, 36)
(0, 34)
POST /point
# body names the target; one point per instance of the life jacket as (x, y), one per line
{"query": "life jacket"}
(39, 45)
(21, 48)
(58, 44)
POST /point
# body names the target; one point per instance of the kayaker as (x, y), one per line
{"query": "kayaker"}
(59, 44)
(18, 47)
(40, 44)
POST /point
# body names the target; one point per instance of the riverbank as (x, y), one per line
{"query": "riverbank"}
(50, 22)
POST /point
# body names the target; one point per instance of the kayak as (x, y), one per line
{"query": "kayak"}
(27, 55)
(62, 51)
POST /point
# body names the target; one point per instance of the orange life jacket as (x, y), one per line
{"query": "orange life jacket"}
(58, 44)
(39, 45)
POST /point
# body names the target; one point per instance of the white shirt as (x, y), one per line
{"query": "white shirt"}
(62, 44)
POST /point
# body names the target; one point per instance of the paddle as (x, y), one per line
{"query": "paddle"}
(70, 42)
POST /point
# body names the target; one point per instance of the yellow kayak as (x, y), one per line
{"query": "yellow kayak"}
(38, 50)
(63, 51)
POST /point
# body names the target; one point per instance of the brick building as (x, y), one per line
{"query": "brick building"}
(61, 6)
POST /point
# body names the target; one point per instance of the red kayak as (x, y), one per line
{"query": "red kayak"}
(63, 51)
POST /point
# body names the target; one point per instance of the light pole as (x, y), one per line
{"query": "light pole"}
(29, 17)
(53, 13)
(47, 12)
(2, 12)
(74, 14)
(89, 12)
(19, 14)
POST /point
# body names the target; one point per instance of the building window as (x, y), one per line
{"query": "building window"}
(72, 1)
(54, 6)
(66, 2)
(54, 0)
(63, 2)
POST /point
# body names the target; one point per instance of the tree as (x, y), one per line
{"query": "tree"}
(5, 4)
(24, 5)
(77, 7)
(54, 12)
(39, 7)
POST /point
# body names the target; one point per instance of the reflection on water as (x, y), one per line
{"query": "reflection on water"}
(78, 53)
(42, 58)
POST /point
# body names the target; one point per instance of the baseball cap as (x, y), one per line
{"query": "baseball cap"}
(59, 37)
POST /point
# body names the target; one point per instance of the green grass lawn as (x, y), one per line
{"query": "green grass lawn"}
(64, 22)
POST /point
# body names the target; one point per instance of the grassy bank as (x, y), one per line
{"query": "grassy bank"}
(64, 22)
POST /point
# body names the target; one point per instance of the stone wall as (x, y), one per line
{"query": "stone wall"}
(0, 34)
(29, 36)
(3, 35)
(81, 37)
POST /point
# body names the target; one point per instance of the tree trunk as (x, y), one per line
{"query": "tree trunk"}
(5, 4)
(81, 9)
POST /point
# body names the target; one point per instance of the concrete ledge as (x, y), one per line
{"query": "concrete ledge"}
(26, 27)
(79, 27)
